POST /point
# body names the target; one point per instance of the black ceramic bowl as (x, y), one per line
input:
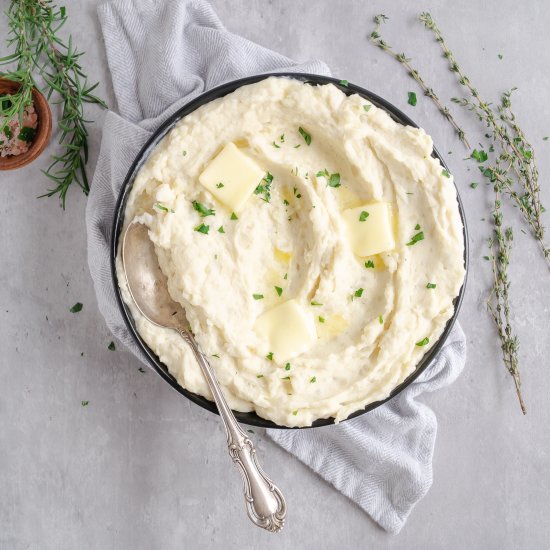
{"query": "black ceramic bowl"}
(118, 222)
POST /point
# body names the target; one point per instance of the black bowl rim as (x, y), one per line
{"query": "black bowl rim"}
(251, 418)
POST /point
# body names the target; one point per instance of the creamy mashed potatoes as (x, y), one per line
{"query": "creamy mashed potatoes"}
(356, 325)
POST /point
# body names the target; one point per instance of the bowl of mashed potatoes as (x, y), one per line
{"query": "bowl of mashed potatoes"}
(315, 239)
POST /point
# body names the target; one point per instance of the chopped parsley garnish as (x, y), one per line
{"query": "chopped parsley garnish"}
(221, 229)
(264, 187)
(285, 202)
(275, 145)
(431, 285)
(445, 173)
(423, 342)
(184, 153)
(412, 98)
(313, 379)
(381, 319)
(215, 355)
(287, 366)
(500, 56)
(296, 146)
(259, 376)
(486, 258)
(367, 107)
(369, 264)
(333, 180)
(286, 378)
(76, 308)
(269, 356)
(111, 346)
(233, 216)
(418, 237)
(295, 412)
(220, 185)
(142, 370)
(160, 206)
(358, 293)
(202, 210)
(321, 319)
(8, 133)
(286, 276)
(474, 184)
(278, 290)
(258, 296)
(85, 403)
(480, 156)
(305, 135)
(282, 138)
(27, 134)
(417, 227)
(363, 216)
(202, 228)
(344, 83)
(314, 303)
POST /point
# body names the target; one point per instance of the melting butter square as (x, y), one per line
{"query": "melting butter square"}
(374, 234)
(288, 329)
(231, 176)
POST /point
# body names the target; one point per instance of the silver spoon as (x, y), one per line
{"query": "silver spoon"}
(265, 503)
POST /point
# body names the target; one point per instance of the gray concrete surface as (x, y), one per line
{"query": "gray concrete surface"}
(139, 467)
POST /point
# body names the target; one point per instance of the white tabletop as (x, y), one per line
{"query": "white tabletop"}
(140, 467)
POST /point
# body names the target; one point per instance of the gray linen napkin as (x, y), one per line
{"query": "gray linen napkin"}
(161, 55)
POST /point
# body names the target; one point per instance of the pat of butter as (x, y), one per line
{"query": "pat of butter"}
(372, 235)
(288, 329)
(231, 177)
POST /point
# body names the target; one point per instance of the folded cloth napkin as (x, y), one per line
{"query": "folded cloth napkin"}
(161, 55)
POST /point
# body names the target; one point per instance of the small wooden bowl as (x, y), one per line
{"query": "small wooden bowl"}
(43, 131)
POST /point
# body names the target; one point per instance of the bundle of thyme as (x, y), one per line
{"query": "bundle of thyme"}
(512, 172)
(38, 49)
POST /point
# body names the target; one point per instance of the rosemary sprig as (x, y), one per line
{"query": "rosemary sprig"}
(513, 147)
(34, 26)
(376, 39)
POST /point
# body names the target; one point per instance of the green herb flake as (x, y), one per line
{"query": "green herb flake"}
(215, 355)
(162, 207)
(545, 138)
(269, 356)
(76, 308)
(314, 303)
(282, 138)
(321, 319)
(381, 319)
(286, 378)
(287, 366)
(305, 135)
(85, 403)
(184, 153)
(202, 228)
(416, 238)
(111, 346)
(412, 98)
(369, 264)
(358, 293)
(366, 108)
(500, 56)
(474, 184)
(221, 229)
(480, 156)
(334, 180)
(27, 134)
(296, 146)
(363, 216)
(142, 370)
(445, 173)
(220, 185)
(313, 379)
(62, 11)
(258, 296)
(233, 216)
(344, 83)
(203, 210)
(259, 376)
(423, 342)
(295, 412)
(7, 132)
(275, 145)
(278, 290)
(431, 285)
(417, 227)
(486, 258)
(286, 276)
(285, 202)
(264, 187)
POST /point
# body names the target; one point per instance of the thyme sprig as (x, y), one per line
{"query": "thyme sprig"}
(498, 303)
(375, 38)
(34, 26)
(513, 148)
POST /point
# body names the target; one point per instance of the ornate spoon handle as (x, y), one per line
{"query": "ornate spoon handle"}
(265, 503)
